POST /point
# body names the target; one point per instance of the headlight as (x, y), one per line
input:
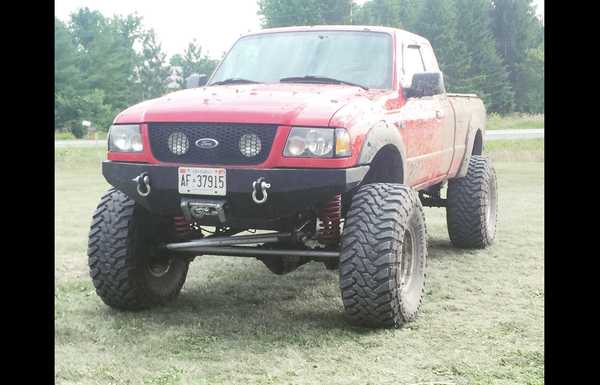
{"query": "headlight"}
(318, 142)
(125, 138)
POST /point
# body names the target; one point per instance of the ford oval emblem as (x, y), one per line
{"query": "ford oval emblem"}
(207, 143)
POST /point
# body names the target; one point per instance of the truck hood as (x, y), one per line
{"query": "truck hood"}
(278, 103)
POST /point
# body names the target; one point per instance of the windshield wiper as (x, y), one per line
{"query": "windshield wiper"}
(319, 79)
(234, 81)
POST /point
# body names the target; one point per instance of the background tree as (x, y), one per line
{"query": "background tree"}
(532, 74)
(67, 75)
(391, 13)
(486, 72)
(75, 98)
(154, 70)
(438, 23)
(108, 60)
(283, 13)
(517, 31)
(193, 61)
(103, 65)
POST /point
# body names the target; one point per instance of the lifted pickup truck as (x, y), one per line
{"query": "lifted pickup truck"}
(329, 140)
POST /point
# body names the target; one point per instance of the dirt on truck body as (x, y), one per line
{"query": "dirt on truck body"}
(329, 139)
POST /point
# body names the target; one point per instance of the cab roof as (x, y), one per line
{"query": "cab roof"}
(400, 33)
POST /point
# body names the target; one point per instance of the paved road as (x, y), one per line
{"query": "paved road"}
(490, 135)
(530, 133)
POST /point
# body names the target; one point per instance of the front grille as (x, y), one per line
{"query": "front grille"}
(227, 135)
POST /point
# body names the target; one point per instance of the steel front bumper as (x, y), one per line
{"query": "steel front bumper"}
(291, 191)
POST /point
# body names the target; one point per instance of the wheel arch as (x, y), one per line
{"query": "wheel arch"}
(384, 150)
(474, 146)
(477, 148)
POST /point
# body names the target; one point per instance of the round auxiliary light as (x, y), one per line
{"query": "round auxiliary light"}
(250, 145)
(179, 143)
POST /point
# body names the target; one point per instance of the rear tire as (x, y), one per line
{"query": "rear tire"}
(471, 212)
(127, 270)
(383, 256)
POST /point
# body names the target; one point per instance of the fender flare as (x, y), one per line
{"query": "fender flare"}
(470, 142)
(379, 136)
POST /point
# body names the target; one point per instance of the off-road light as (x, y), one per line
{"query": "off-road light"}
(250, 145)
(179, 143)
(125, 138)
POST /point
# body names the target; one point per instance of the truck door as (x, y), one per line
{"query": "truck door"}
(424, 123)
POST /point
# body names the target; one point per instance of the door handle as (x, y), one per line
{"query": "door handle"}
(438, 114)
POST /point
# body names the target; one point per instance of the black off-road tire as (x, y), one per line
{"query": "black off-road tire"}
(383, 256)
(127, 270)
(472, 201)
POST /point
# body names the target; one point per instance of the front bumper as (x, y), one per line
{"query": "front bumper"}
(291, 191)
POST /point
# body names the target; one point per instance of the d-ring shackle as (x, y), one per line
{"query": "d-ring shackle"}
(143, 180)
(263, 185)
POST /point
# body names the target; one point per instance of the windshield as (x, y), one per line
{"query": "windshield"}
(357, 57)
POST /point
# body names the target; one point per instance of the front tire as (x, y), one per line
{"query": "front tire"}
(128, 271)
(472, 206)
(383, 256)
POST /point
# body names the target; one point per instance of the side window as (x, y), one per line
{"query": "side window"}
(431, 63)
(413, 63)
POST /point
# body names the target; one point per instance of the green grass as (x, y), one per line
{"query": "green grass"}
(65, 135)
(514, 121)
(236, 323)
(516, 150)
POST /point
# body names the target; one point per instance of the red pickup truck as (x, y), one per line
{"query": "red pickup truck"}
(329, 140)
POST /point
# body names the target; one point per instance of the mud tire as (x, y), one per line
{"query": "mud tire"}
(126, 268)
(472, 205)
(383, 256)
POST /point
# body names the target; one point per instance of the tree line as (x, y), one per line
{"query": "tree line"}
(106, 64)
(494, 48)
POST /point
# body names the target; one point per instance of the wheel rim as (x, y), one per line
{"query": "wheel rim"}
(490, 210)
(407, 264)
(159, 267)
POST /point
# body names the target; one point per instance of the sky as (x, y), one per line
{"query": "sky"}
(216, 24)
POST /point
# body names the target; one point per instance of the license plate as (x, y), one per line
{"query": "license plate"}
(202, 181)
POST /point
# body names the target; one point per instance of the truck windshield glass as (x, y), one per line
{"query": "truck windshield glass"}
(356, 57)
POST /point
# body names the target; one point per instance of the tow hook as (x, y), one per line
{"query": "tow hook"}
(143, 184)
(261, 184)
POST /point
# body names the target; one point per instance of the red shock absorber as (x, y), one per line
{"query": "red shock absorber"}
(329, 221)
(182, 227)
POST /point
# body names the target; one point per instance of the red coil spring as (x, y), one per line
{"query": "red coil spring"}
(182, 227)
(330, 217)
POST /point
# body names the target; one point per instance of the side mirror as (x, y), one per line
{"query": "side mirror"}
(426, 84)
(195, 80)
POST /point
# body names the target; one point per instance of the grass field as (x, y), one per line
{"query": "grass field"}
(236, 323)
(66, 135)
(514, 121)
